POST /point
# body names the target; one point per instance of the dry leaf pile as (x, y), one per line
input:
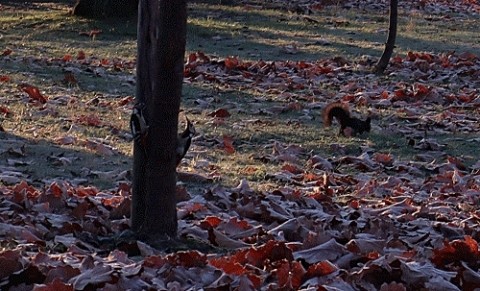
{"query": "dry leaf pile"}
(370, 221)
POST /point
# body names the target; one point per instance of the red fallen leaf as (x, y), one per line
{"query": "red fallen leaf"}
(420, 90)
(397, 60)
(81, 210)
(67, 58)
(126, 100)
(231, 267)
(209, 222)
(190, 208)
(7, 52)
(81, 55)
(355, 204)
(373, 255)
(32, 92)
(86, 191)
(202, 56)
(309, 177)
(282, 273)
(385, 159)
(62, 273)
(234, 226)
(222, 113)
(4, 78)
(228, 144)
(384, 95)
(297, 272)
(154, 262)
(55, 190)
(321, 269)
(191, 58)
(231, 63)
(105, 62)
(90, 120)
(259, 257)
(292, 169)
(272, 250)
(411, 56)
(249, 170)
(23, 187)
(11, 262)
(113, 201)
(122, 210)
(4, 110)
(465, 98)
(228, 265)
(187, 259)
(467, 56)
(456, 251)
(290, 275)
(400, 94)
(426, 57)
(56, 285)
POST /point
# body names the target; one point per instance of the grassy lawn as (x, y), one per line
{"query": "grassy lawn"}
(43, 34)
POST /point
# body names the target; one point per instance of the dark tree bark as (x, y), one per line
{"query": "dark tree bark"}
(392, 35)
(161, 49)
(105, 8)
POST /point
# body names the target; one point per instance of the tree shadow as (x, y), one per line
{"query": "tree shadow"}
(227, 31)
(40, 163)
(43, 5)
(253, 35)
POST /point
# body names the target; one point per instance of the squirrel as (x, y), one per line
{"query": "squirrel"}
(342, 115)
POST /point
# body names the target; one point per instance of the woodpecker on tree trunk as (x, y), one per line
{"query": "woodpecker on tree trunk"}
(185, 140)
(139, 128)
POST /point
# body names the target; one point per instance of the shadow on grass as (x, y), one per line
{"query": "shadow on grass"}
(34, 4)
(40, 163)
(260, 34)
(230, 31)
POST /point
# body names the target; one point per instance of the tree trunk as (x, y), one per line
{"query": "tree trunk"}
(392, 35)
(161, 50)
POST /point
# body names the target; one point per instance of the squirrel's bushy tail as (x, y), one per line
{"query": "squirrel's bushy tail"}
(337, 110)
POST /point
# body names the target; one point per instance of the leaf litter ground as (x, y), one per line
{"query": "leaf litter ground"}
(279, 201)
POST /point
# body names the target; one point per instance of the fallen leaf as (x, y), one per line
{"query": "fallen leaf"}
(228, 144)
(33, 92)
(221, 113)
